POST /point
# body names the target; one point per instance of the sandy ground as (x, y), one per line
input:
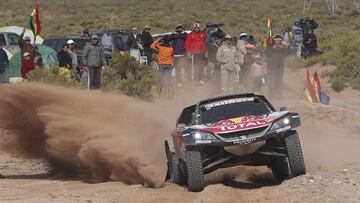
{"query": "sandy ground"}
(330, 142)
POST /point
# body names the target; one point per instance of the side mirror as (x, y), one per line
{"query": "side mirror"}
(283, 108)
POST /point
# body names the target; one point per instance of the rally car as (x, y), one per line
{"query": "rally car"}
(231, 130)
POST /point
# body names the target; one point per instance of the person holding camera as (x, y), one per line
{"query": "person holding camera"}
(166, 61)
(178, 38)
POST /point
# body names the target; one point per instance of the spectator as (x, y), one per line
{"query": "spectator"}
(276, 54)
(4, 63)
(118, 43)
(147, 41)
(106, 40)
(65, 62)
(251, 40)
(257, 74)
(214, 31)
(134, 40)
(166, 61)
(287, 35)
(25, 45)
(180, 61)
(228, 57)
(196, 46)
(213, 49)
(94, 61)
(298, 38)
(27, 64)
(64, 57)
(310, 43)
(309, 24)
(240, 45)
(74, 60)
(86, 33)
(248, 61)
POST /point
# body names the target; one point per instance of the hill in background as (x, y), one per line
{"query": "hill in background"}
(338, 36)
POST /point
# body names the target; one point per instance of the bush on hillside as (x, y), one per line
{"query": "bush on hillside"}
(127, 75)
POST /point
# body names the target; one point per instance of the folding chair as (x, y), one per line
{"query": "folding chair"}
(135, 53)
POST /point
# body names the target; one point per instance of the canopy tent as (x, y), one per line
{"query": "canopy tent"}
(14, 69)
(9, 54)
(18, 30)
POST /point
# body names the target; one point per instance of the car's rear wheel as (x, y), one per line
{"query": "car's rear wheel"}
(195, 175)
(280, 169)
(294, 154)
(176, 174)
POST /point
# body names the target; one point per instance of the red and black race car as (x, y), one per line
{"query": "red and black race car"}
(226, 131)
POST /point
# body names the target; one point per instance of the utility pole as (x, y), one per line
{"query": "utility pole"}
(333, 6)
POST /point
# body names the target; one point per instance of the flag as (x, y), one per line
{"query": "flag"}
(34, 20)
(269, 34)
(309, 89)
(320, 93)
(317, 86)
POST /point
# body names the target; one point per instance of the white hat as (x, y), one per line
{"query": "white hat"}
(70, 41)
(243, 34)
(228, 36)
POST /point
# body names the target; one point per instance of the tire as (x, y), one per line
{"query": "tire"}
(177, 176)
(294, 154)
(280, 169)
(195, 175)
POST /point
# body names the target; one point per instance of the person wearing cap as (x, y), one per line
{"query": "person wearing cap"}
(166, 61)
(240, 46)
(228, 57)
(147, 41)
(195, 46)
(94, 61)
(106, 40)
(74, 60)
(213, 49)
(4, 62)
(178, 38)
(118, 43)
(276, 54)
(134, 40)
(27, 64)
(25, 45)
(257, 74)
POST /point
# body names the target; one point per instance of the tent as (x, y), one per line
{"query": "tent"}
(9, 54)
(18, 30)
(14, 69)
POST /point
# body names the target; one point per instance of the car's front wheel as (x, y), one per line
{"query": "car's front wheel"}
(294, 154)
(195, 175)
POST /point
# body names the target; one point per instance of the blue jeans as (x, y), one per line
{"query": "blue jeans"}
(165, 74)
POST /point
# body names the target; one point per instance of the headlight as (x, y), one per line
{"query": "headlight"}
(281, 123)
(202, 136)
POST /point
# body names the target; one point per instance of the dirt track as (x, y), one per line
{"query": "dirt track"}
(329, 137)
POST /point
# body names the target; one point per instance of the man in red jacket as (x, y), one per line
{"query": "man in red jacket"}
(195, 45)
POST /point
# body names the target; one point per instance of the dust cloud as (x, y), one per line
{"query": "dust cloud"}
(100, 136)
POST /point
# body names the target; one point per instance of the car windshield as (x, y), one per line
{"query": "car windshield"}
(218, 112)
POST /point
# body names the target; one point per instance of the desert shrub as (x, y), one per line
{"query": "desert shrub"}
(127, 75)
(52, 76)
(338, 84)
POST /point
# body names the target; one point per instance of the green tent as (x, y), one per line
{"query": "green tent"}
(14, 69)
